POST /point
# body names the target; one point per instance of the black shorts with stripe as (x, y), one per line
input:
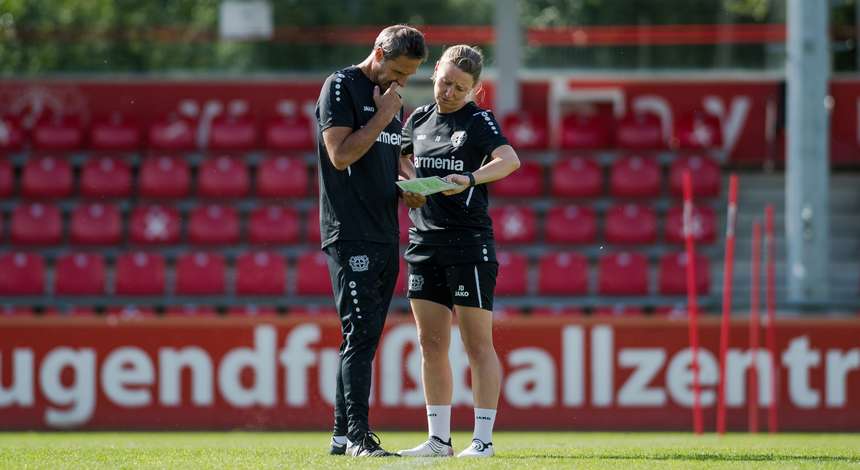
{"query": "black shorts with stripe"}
(453, 275)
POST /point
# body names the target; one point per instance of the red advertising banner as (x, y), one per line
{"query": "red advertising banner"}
(572, 374)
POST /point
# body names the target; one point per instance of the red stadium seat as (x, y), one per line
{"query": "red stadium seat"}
(631, 224)
(402, 278)
(11, 135)
(514, 224)
(12, 311)
(312, 225)
(619, 311)
(623, 273)
(513, 274)
(190, 310)
(273, 225)
(571, 224)
(173, 134)
(580, 131)
(526, 131)
(640, 131)
(106, 177)
(49, 177)
(697, 130)
(576, 177)
(261, 273)
(154, 224)
(223, 177)
(164, 177)
(403, 223)
(569, 312)
(673, 274)
(96, 224)
(251, 311)
(57, 133)
(80, 274)
(705, 176)
(232, 133)
(672, 312)
(213, 224)
(313, 311)
(312, 276)
(21, 274)
(7, 178)
(282, 177)
(635, 177)
(527, 181)
(34, 223)
(289, 133)
(563, 274)
(503, 313)
(704, 223)
(200, 273)
(276, 225)
(130, 312)
(115, 133)
(140, 273)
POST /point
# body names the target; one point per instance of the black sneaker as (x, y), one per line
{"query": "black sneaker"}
(368, 446)
(337, 449)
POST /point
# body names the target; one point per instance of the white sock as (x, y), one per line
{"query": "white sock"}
(439, 421)
(484, 420)
(339, 440)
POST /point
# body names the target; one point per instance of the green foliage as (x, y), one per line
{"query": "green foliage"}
(40, 37)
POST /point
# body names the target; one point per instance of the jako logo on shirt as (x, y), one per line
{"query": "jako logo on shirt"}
(439, 163)
(461, 292)
(359, 263)
(389, 138)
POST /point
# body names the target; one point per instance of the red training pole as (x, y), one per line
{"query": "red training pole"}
(752, 401)
(770, 299)
(728, 265)
(693, 309)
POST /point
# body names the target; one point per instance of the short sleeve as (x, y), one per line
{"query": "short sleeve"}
(406, 136)
(334, 107)
(487, 133)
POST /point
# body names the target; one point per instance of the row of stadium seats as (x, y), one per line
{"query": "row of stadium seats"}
(95, 223)
(199, 273)
(131, 312)
(237, 130)
(631, 176)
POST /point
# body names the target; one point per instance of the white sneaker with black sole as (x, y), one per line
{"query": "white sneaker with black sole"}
(433, 447)
(478, 449)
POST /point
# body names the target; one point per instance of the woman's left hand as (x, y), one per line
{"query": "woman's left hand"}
(461, 180)
(413, 200)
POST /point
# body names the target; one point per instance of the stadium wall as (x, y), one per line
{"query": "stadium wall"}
(572, 374)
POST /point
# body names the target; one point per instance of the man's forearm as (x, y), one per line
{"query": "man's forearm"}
(356, 145)
(407, 168)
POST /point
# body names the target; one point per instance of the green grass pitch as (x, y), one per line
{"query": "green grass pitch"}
(515, 450)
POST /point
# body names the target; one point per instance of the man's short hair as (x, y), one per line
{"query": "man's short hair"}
(401, 40)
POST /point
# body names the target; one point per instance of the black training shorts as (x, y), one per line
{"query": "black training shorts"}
(453, 275)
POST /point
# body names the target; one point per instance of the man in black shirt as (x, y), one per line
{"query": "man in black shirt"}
(360, 118)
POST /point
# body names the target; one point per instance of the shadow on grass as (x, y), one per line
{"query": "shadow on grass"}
(697, 457)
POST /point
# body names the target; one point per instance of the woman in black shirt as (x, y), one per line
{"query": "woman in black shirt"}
(451, 254)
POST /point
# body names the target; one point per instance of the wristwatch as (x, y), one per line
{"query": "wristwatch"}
(471, 178)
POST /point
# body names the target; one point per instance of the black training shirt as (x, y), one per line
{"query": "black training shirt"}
(360, 202)
(447, 143)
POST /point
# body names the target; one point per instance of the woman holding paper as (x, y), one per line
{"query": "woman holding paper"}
(451, 253)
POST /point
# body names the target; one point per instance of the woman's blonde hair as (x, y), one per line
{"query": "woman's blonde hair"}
(469, 59)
